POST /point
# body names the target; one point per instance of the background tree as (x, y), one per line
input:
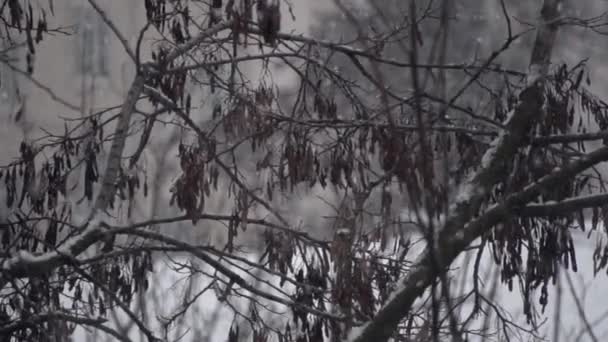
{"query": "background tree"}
(412, 147)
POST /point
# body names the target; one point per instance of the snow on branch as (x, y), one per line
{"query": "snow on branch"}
(451, 245)
(564, 207)
(461, 228)
(25, 263)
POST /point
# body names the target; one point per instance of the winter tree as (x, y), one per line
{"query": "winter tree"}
(294, 185)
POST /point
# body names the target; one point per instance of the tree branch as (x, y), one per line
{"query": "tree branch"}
(26, 264)
(97, 323)
(119, 35)
(564, 207)
(455, 237)
(460, 229)
(226, 271)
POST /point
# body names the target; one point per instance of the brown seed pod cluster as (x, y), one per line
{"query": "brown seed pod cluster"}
(241, 15)
(172, 85)
(358, 275)
(326, 107)
(269, 19)
(196, 179)
(250, 117)
(548, 240)
(23, 20)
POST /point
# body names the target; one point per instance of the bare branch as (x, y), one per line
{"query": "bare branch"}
(119, 35)
(564, 207)
(460, 229)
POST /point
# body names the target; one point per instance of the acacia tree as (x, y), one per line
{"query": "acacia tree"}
(517, 178)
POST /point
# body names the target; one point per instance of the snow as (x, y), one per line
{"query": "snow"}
(343, 232)
(396, 291)
(535, 73)
(25, 257)
(464, 194)
(498, 141)
(491, 151)
(355, 332)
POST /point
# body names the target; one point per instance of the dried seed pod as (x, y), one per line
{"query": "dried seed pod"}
(269, 20)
